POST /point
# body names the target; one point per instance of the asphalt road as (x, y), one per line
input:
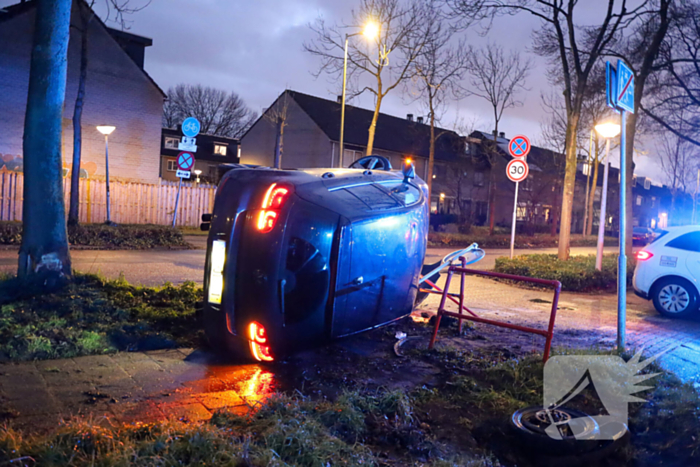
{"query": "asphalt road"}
(155, 267)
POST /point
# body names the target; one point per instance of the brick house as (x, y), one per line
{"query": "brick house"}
(118, 92)
(211, 151)
(311, 139)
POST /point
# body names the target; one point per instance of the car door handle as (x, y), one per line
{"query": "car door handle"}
(357, 280)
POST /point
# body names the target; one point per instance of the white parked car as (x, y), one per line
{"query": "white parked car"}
(668, 272)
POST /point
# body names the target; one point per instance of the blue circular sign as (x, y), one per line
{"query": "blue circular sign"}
(190, 127)
(519, 146)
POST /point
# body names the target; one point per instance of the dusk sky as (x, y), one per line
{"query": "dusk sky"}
(255, 48)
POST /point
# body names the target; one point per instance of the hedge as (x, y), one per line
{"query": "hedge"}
(121, 237)
(577, 274)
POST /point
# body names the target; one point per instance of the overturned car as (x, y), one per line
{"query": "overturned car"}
(297, 258)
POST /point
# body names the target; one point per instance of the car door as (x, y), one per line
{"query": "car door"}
(689, 243)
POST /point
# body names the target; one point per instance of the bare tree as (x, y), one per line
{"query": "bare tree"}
(571, 47)
(219, 112)
(44, 256)
(497, 78)
(438, 71)
(116, 9)
(277, 115)
(403, 33)
(678, 160)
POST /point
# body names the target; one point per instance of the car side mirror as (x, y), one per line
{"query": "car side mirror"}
(408, 170)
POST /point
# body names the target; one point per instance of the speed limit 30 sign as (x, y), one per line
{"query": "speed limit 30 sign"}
(517, 170)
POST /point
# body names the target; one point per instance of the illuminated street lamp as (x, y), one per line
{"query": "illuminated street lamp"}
(371, 31)
(607, 130)
(107, 130)
(198, 172)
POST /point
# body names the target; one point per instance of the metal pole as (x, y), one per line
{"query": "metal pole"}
(622, 259)
(515, 216)
(588, 183)
(109, 219)
(177, 200)
(603, 207)
(342, 104)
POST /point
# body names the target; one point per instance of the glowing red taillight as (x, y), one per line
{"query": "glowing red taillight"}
(272, 203)
(644, 255)
(258, 342)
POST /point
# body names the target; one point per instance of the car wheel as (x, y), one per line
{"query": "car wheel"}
(675, 297)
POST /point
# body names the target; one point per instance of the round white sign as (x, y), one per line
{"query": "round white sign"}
(517, 170)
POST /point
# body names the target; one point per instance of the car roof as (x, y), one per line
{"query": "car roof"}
(679, 230)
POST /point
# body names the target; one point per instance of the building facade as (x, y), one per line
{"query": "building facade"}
(118, 92)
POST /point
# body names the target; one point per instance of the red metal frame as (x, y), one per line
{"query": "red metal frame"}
(462, 271)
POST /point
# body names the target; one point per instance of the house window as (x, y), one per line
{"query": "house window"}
(220, 149)
(653, 201)
(478, 178)
(172, 165)
(171, 142)
(522, 211)
(647, 184)
(639, 200)
(439, 171)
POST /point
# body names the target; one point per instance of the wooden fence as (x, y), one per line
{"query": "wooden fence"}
(130, 203)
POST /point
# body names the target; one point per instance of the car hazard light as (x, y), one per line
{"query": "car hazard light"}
(272, 203)
(644, 255)
(258, 342)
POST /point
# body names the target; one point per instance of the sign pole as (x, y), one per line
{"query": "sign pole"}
(177, 201)
(622, 259)
(515, 217)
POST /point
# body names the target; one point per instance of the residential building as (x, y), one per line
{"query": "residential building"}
(211, 152)
(118, 92)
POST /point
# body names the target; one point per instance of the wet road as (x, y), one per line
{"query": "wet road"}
(155, 267)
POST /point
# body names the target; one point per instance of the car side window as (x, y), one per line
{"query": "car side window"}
(687, 242)
(374, 197)
(406, 193)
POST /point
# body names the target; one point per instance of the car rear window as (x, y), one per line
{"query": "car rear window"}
(688, 242)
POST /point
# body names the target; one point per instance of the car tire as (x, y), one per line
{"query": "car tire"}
(675, 297)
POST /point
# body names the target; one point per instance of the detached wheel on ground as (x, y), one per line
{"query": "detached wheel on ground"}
(675, 297)
(576, 431)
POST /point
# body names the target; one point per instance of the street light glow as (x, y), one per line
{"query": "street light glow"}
(371, 30)
(106, 129)
(608, 129)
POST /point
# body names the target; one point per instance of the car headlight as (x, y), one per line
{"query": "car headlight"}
(216, 274)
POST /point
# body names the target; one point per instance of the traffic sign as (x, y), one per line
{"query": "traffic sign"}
(183, 173)
(625, 87)
(191, 127)
(519, 146)
(611, 86)
(517, 170)
(185, 161)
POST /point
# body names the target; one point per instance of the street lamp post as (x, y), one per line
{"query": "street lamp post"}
(106, 130)
(606, 130)
(198, 172)
(371, 31)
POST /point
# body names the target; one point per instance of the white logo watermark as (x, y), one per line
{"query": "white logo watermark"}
(613, 380)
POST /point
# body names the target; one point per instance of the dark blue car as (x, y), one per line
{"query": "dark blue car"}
(297, 258)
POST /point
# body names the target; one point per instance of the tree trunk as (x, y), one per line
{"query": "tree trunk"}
(591, 195)
(44, 255)
(492, 180)
(373, 125)
(74, 210)
(567, 202)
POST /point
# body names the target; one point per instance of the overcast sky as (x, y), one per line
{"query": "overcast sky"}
(255, 48)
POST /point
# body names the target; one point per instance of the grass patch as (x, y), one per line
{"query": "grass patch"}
(502, 240)
(577, 274)
(93, 315)
(359, 429)
(121, 237)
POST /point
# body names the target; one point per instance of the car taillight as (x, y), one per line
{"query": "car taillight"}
(272, 203)
(644, 255)
(258, 342)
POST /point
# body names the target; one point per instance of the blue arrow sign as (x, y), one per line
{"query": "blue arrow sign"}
(625, 87)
